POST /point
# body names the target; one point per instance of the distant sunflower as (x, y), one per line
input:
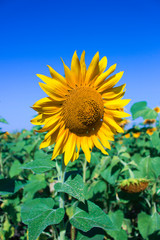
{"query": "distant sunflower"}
(81, 110)
(157, 109)
(150, 131)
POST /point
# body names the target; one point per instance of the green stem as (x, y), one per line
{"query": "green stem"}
(61, 200)
(84, 170)
(1, 164)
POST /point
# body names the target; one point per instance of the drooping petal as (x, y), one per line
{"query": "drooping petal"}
(60, 141)
(69, 148)
(98, 144)
(103, 139)
(85, 148)
(109, 120)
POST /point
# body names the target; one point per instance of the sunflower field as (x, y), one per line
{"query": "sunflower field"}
(112, 197)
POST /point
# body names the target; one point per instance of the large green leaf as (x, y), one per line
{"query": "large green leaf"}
(35, 183)
(140, 109)
(117, 219)
(111, 173)
(15, 169)
(89, 215)
(147, 224)
(74, 187)
(42, 163)
(38, 214)
(3, 120)
(10, 186)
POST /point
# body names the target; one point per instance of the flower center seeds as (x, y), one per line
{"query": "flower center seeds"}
(83, 110)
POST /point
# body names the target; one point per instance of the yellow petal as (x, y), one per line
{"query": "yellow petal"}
(41, 119)
(49, 141)
(104, 75)
(56, 75)
(109, 120)
(55, 85)
(98, 144)
(118, 103)
(49, 91)
(85, 148)
(103, 139)
(102, 64)
(93, 69)
(75, 67)
(69, 148)
(51, 123)
(110, 82)
(114, 93)
(116, 113)
(68, 75)
(60, 141)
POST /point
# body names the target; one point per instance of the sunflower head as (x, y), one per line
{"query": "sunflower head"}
(133, 185)
(82, 109)
(127, 135)
(157, 109)
(150, 131)
(149, 121)
(136, 134)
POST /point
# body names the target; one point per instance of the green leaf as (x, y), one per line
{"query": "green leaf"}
(117, 219)
(35, 183)
(147, 224)
(74, 187)
(140, 109)
(2, 120)
(10, 186)
(89, 215)
(155, 140)
(41, 164)
(15, 169)
(93, 234)
(111, 173)
(38, 214)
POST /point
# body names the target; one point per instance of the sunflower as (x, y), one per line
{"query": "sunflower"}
(150, 131)
(133, 185)
(81, 110)
(157, 109)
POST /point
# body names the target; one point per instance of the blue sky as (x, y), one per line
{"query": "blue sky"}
(37, 33)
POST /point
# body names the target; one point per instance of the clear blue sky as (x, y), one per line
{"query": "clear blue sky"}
(37, 33)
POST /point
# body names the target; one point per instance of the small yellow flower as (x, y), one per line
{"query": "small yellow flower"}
(81, 108)
(149, 121)
(157, 109)
(133, 185)
(136, 135)
(150, 131)
(127, 135)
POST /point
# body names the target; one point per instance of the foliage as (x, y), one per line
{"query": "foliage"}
(95, 206)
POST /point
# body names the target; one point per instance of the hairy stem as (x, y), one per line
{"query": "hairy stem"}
(61, 200)
(84, 170)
